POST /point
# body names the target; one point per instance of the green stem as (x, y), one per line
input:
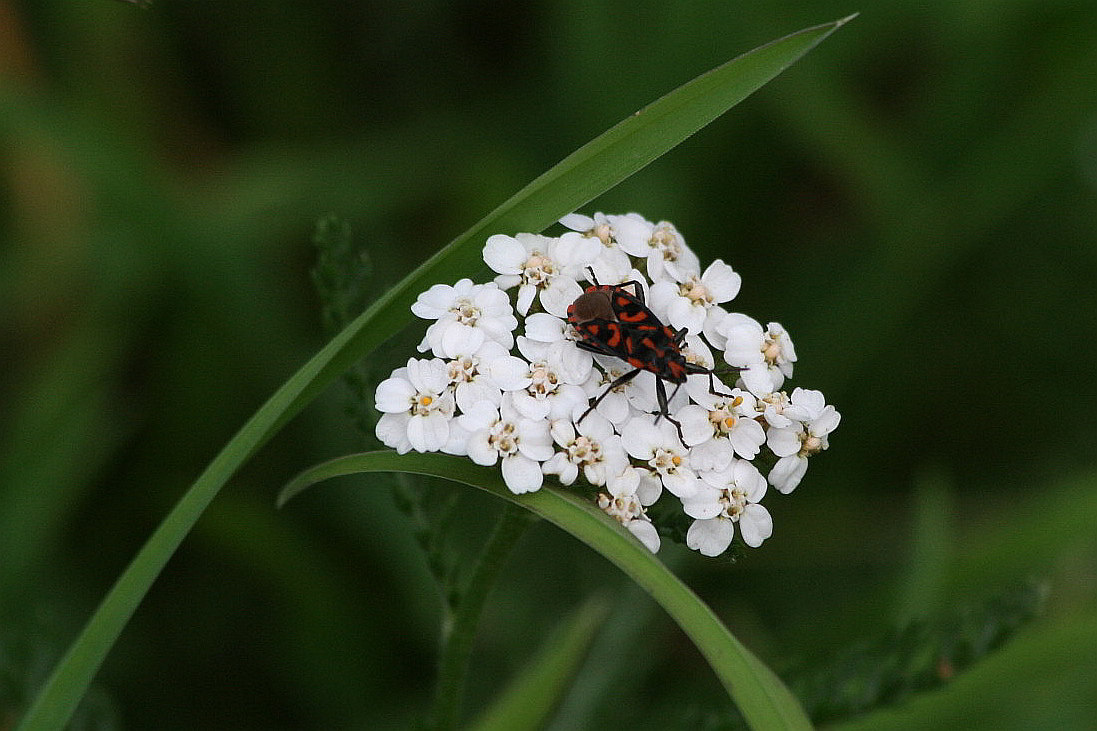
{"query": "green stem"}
(461, 632)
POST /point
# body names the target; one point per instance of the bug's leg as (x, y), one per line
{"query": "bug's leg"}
(619, 381)
(694, 369)
(664, 407)
(639, 289)
(712, 386)
(596, 348)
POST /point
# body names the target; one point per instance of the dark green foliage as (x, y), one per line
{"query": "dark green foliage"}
(345, 282)
(919, 656)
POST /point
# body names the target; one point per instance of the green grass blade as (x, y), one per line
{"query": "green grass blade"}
(586, 173)
(534, 694)
(759, 694)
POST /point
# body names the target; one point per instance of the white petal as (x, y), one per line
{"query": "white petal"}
(747, 438)
(660, 295)
(430, 305)
(615, 408)
(632, 233)
(775, 419)
(392, 430)
(704, 503)
(509, 373)
(562, 432)
(714, 455)
(646, 533)
(742, 332)
(558, 296)
(787, 473)
(491, 300)
(480, 416)
(473, 392)
(625, 482)
(650, 489)
(428, 433)
(564, 469)
(572, 364)
(683, 484)
(784, 442)
(714, 318)
(573, 251)
(522, 474)
(808, 399)
(566, 399)
(577, 222)
(504, 254)
(459, 339)
(598, 428)
(528, 407)
(755, 525)
(612, 265)
(641, 437)
(710, 537)
(696, 427)
(507, 281)
(480, 450)
(458, 441)
(526, 293)
(758, 379)
(684, 315)
(394, 395)
(748, 479)
(534, 440)
(721, 281)
(544, 328)
(826, 423)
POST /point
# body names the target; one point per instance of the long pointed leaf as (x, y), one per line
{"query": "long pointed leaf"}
(586, 173)
(760, 695)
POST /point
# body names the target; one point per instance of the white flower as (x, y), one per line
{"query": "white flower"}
(660, 244)
(728, 497)
(690, 303)
(539, 264)
(530, 410)
(779, 353)
(612, 262)
(591, 446)
(766, 356)
(628, 511)
(730, 415)
(545, 387)
(466, 315)
(470, 376)
(417, 406)
(504, 434)
(596, 226)
(660, 448)
(811, 420)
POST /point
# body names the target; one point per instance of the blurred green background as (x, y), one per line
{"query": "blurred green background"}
(914, 201)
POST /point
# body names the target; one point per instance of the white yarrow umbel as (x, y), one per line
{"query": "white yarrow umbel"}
(537, 403)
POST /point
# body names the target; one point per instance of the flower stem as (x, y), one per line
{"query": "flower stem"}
(458, 636)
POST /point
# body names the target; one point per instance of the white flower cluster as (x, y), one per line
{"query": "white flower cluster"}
(523, 401)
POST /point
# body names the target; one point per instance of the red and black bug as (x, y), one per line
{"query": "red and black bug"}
(612, 321)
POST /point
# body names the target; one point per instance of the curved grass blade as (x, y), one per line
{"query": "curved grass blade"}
(759, 694)
(583, 175)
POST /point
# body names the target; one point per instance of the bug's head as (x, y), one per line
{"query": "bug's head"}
(591, 306)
